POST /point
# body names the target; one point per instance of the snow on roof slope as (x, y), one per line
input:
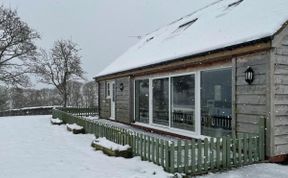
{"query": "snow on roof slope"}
(220, 24)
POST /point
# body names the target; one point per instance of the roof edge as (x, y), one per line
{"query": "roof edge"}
(228, 48)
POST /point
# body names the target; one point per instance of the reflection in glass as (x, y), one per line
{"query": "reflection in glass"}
(183, 102)
(142, 101)
(216, 107)
(161, 101)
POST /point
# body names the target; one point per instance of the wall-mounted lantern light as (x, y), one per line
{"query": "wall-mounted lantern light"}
(249, 75)
(121, 86)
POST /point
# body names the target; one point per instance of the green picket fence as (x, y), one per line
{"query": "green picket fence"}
(183, 156)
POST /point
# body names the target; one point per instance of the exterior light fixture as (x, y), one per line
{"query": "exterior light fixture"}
(249, 75)
(121, 86)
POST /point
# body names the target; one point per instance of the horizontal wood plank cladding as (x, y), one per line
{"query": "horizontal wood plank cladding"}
(281, 110)
(251, 90)
(246, 127)
(192, 61)
(280, 79)
(259, 80)
(251, 109)
(281, 120)
(281, 130)
(251, 100)
(281, 69)
(280, 124)
(281, 149)
(281, 60)
(281, 51)
(249, 118)
(281, 140)
(123, 100)
(281, 89)
(105, 104)
(259, 69)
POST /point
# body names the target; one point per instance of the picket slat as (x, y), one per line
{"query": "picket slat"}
(228, 157)
(179, 157)
(157, 151)
(218, 153)
(206, 156)
(193, 157)
(212, 155)
(186, 160)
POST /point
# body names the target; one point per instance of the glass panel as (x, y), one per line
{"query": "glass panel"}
(142, 101)
(113, 92)
(216, 104)
(183, 102)
(108, 89)
(161, 101)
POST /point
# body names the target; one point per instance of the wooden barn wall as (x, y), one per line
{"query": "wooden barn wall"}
(104, 104)
(280, 95)
(252, 101)
(123, 100)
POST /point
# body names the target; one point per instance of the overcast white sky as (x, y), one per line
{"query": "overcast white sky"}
(100, 27)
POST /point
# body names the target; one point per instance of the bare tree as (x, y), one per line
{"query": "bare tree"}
(17, 47)
(90, 96)
(4, 98)
(58, 66)
(74, 93)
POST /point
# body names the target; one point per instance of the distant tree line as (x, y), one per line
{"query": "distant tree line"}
(80, 95)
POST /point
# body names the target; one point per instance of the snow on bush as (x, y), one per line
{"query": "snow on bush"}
(102, 141)
(74, 127)
(56, 121)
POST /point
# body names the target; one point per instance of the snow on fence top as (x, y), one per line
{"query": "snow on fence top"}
(220, 24)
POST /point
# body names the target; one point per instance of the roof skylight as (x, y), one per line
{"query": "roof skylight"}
(235, 3)
(185, 25)
(149, 39)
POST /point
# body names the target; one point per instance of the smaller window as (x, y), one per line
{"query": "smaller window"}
(107, 90)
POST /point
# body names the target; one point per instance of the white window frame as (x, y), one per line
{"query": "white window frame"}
(197, 75)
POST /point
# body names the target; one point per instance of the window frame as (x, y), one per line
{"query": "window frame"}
(197, 75)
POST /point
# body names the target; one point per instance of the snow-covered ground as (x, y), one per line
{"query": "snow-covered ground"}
(254, 171)
(30, 147)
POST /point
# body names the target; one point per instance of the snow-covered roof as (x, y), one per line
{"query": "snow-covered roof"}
(220, 24)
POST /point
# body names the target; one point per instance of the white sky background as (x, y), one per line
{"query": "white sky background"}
(100, 27)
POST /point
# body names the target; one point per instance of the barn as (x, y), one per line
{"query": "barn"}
(217, 71)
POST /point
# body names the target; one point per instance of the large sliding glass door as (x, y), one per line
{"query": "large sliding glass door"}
(142, 101)
(183, 102)
(198, 102)
(216, 102)
(160, 101)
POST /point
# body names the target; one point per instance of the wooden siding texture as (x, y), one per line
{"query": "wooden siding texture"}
(280, 81)
(123, 100)
(104, 104)
(251, 102)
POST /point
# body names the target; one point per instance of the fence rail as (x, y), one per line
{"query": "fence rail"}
(183, 156)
